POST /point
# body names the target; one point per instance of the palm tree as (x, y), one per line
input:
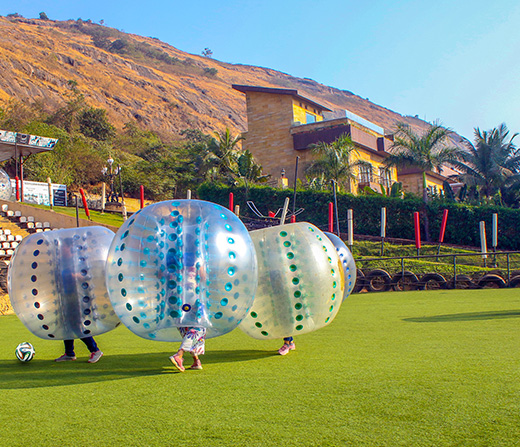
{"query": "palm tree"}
(334, 162)
(492, 163)
(427, 151)
(220, 156)
(249, 170)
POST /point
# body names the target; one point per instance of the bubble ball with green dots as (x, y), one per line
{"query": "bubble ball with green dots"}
(347, 260)
(300, 282)
(56, 283)
(181, 263)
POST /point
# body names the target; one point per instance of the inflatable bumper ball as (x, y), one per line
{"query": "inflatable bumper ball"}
(347, 260)
(182, 263)
(56, 283)
(300, 282)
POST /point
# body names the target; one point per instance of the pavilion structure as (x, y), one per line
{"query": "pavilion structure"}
(19, 146)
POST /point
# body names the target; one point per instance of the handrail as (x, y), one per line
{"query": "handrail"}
(439, 256)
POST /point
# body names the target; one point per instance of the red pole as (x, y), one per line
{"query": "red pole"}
(87, 212)
(293, 219)
(141, 188)
(231, 201)
(417, 230)
(21, 179)
(17, 179)
(331, 217)
(443, 226)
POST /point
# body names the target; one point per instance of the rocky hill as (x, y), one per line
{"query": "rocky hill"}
(146, 80)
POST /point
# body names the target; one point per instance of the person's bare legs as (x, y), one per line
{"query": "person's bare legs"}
(196, 362)
(177, 360)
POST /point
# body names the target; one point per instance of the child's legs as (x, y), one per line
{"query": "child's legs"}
(69, 348)
(288, 340)
(91, 344)
(193, 341)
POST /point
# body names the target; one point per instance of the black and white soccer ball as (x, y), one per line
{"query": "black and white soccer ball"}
(24, 352)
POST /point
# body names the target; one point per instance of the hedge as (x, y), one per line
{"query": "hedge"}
(462, 226)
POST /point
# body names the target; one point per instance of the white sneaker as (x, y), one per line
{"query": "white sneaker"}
(65, 358)
(95, 356)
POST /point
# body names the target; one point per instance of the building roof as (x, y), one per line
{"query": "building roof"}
(13, 144)
(278, 91)
(415, 171)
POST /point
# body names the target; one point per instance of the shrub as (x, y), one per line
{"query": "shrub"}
(462, 227)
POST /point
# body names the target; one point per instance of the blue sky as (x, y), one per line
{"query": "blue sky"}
(453, 61)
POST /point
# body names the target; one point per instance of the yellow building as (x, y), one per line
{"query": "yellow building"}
(283, 125)
(413, 181)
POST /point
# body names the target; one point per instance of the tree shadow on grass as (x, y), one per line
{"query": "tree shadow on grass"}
(471, 316)
(40, 373)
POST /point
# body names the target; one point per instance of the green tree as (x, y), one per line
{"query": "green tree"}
(74, 161)
(43, 16)
(492, 163)
(221, 155)
(427, 151)
(93, 123)
(334, 161)
(249, 170)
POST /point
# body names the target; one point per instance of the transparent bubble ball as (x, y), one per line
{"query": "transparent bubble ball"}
(347, 260)
(56, 283)
(182, 263)
(300, 282)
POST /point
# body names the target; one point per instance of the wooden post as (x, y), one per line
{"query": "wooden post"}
(103, 196)
(350, 228)
(383, 230)
(483, 242)
(49, 184)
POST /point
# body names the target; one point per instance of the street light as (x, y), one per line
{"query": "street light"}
(113, 197)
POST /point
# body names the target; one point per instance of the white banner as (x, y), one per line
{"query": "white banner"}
(38, 193)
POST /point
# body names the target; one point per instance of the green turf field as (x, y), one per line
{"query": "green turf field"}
(435, 368)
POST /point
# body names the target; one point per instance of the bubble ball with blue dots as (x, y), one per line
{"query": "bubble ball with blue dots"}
(56, 283)
(181, 263)
(6, 190)
(347, 260)
(300, 282)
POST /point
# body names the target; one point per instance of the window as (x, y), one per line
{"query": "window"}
(385, 177)
(365, 173)
(309, 118)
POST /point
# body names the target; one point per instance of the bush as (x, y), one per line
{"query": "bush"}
(462, 227)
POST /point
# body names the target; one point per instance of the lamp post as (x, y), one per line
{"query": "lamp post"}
(110, 172)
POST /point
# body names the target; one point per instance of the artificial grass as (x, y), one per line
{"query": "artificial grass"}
(429, 368)
(107, 218)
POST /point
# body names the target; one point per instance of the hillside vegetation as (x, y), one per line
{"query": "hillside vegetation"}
(143, 80)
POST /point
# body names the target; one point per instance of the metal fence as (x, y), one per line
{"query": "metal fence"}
(450, 271)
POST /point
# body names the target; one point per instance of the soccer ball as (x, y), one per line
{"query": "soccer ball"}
(24, 352)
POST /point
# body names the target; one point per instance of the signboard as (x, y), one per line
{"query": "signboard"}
(23, 138)
(38, 193)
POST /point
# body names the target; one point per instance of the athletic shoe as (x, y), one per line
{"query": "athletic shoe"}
(95, 356)
(65, 358)
(286, 348)
(196, 364)
(177, 361)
